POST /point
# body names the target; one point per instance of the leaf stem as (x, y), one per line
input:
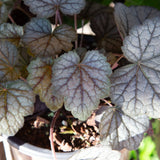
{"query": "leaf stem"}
(58, 18)
(81, 41)
(115, 65)
(11, 19)
(51, 133)
(107, 102)
(75, 26)
(23, 79)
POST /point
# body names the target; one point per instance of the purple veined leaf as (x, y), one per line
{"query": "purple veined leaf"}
(47, 8)
(121, 130)
(104, 26)
(128, 17)
(11, 32)
(16, 101)
(43, 41)
(39, 78)
(82, 84)
(8, 61)
(136, 87)
(96, 153)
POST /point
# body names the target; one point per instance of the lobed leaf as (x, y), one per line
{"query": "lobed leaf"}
(47, 8)
(96, 153)
(120, 130)
(155, 3)
(136, 87)
(8, 61)
(128, 17)
(104, 26)
(42, 41)
(11, 32)
(16, 101)
(40, 73)
(82, 84)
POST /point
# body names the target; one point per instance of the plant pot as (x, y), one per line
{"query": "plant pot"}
(15, 149)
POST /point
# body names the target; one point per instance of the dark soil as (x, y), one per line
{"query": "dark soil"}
(70, 134)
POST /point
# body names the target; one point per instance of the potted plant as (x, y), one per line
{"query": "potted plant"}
(41, 59)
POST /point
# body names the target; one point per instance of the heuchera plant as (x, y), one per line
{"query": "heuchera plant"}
(61, 75)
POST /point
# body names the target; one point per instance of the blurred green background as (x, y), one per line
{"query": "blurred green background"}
(146, 151)
(150, 146)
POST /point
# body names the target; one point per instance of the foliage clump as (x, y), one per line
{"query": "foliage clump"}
(41, 59)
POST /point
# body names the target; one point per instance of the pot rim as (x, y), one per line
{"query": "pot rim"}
(31, 150)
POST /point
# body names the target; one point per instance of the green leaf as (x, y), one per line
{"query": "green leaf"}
(16, 101)
(47, 8)
(134, 2)
(104, 2)
(42, 41)
(8, 61)
(147, 149)
(96, 153)
(82, 84)
(136, 87)
(155, 3)
(128, 17)
(11, 32)
(120, 130)
(40, 73)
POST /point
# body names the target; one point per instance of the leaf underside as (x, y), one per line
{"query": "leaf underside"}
(40, 73)
(122, 131)
(47, 8)
(16, 101)
(82, 84)
(128, 17)
(96, 153)
(8, 60)
(136, 87)
(42, 41)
